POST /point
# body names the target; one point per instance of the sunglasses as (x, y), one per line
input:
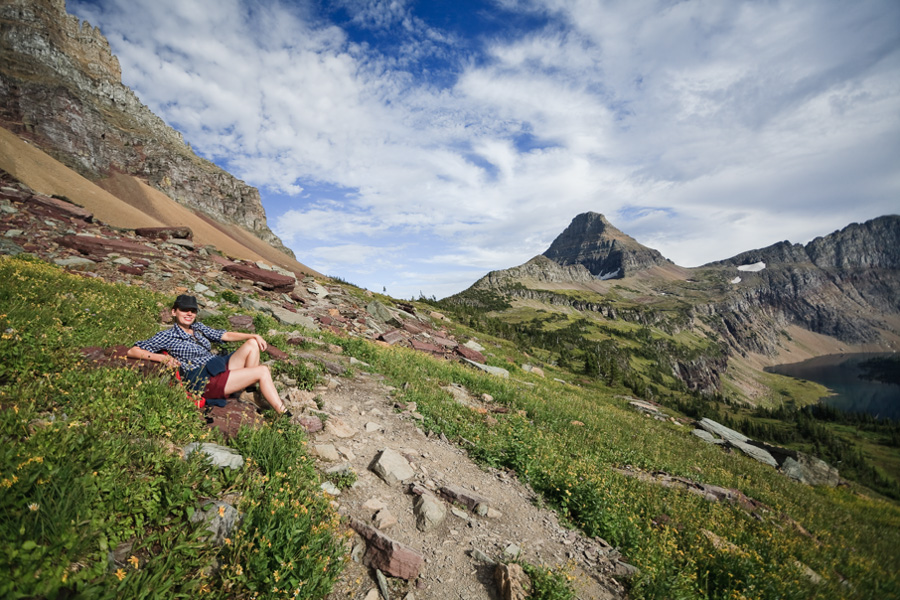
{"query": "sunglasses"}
(188, 310)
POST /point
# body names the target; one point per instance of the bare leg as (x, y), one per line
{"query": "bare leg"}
(245, 357)
(242, 378)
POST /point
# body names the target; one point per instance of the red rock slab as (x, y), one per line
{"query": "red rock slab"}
(413, 328)
(95, 246)
(220, 260)
(235, 414)
(116, 356)
(390, 556)
(242, 322)
(165, 233)
(265, 279)
(130, 270)
(392, 337)
(457, 494)
(473, 355)
(445, 342)
(311, 423)
(59, 208)
(275, 353)
(14, 195)
(425, 347)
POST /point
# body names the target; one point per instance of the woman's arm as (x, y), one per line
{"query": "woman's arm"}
(236, 336)
(140, 353)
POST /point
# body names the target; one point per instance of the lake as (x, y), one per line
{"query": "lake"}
(841, 374)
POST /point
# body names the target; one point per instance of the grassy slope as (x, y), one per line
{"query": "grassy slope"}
(571, 440)
(567, 444)
(89, 464)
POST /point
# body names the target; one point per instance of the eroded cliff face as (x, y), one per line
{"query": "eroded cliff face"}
(60, 86)
(843, 285)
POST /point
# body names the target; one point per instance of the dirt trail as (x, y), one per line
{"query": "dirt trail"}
(450, 571)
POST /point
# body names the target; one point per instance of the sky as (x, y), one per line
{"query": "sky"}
(413, 146)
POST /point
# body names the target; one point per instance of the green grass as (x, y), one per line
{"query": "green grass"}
(89, 464)
(573, 466)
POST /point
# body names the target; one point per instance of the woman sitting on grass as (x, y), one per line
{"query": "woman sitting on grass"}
(189, 348)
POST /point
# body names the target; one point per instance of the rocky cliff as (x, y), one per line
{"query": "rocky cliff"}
(606, 252)
(845, 285)
(60, 86)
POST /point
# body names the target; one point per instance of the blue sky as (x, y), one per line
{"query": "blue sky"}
(415, 146)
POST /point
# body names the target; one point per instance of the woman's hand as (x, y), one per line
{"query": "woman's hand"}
(260, 341)
(170, 361)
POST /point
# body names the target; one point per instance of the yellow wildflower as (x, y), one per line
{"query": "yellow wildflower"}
(134, 561)
(120, 573)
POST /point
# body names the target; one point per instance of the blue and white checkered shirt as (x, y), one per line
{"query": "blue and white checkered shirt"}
(193, 351)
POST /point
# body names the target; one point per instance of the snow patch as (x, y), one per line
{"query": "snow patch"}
(754, 268)
(605, 276)
(736, 280)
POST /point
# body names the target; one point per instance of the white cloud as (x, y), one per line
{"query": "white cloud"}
(709, 128)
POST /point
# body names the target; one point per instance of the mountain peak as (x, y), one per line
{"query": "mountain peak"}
(591, 240)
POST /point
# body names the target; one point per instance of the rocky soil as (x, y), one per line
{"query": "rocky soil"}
(494, 517)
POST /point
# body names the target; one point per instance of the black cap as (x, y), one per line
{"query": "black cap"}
(185, 302)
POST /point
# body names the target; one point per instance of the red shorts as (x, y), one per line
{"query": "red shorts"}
(215, 387)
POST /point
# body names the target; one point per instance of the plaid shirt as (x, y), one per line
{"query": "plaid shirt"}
(193, 351)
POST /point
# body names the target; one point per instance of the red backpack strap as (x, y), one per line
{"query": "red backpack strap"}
(199, 402)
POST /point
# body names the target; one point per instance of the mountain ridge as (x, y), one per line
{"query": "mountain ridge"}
(843, 286)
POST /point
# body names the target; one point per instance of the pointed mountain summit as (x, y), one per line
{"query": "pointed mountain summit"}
(606, 252)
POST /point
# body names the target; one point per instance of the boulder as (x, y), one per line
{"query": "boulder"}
(382, 313)
(384, 519)
(425, 347)
(339, 428)
(473, 345)
(386, 554)
(463, 496)
(219, 456)
(707, 436)
(392, 337)
(473, 355)
(810, 470)
(235, 414)
(261, 277)
(721, 431)
(311, 423)
(512, 582)
(241, 322)
(287, 317)
(430, 512)
(497, 371)
(391, 466)
(276, 354)
(220, 518)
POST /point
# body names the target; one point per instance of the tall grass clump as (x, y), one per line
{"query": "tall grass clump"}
(95, 498)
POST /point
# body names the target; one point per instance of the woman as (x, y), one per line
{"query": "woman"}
(188, 344)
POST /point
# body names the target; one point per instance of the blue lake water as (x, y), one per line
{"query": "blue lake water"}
(841, 374)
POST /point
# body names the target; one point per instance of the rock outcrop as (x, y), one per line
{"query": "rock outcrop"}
(541, 269)
(60, 87)
(590, 240)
